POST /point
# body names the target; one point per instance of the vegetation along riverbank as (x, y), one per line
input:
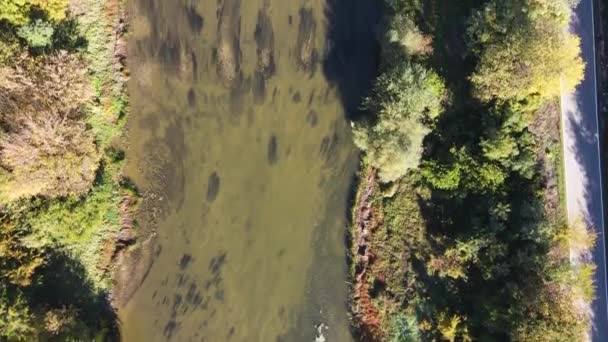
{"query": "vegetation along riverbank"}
(458, 229)
(65, 208)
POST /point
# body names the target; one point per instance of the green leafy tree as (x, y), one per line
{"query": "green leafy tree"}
(407, 38)
(463, 174)
(456, 260)
(404, 98)
(524, 49)
(16, 321)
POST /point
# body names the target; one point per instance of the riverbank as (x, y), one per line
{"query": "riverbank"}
(459, 229)
(67, 210)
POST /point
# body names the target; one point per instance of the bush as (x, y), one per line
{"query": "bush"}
(403, 32)
(37, 34)
(9, 44)
(404, 328)
(60, 320)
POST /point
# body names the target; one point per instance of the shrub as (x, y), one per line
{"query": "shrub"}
(404, 328)
(9, 44)
(450, 327)
(37, 34)
(403, 32)
(578, 238)
(57, 321)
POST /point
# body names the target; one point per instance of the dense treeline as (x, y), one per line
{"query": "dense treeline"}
(62, 196)
(464, 247)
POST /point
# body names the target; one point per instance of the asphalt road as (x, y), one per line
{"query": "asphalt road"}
(582, 163)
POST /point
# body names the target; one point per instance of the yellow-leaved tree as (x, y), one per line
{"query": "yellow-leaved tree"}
(17, 12)
(525, 50)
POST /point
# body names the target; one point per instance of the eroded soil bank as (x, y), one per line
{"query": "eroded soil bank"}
(240, 142)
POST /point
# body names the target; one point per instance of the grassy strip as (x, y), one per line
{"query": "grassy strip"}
(558, 159)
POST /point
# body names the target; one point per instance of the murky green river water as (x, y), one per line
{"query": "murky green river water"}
(239, 135)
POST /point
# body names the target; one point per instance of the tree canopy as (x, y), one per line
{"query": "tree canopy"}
(45, 148)
(405, 99)
(524, 49)
(18, 12)
(468, 243)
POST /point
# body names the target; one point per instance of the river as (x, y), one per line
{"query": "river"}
(239, 138)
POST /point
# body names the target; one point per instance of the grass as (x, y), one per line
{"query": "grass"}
(557, 151)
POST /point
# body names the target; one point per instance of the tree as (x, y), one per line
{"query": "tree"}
(16, 321)
(50, 155)
(56, 83)
(524, 50)
(463, 174)
(45, 147)
(403, 32)
(405, 97)
(17, 262)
